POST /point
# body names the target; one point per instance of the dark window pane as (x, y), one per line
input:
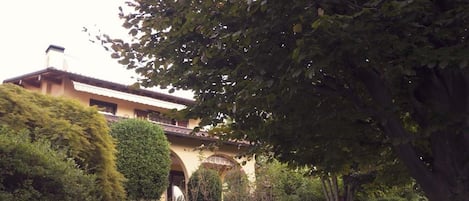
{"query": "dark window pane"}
(104, 107)
(141, 114)
(183, 123)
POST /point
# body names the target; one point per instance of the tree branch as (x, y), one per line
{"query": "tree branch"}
(394, 129)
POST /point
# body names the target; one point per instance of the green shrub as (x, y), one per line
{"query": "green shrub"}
(402, 192)
(276, 181)
(33, 171)
(235, 186)
(143, 157)
(205, 185)
(80, 131)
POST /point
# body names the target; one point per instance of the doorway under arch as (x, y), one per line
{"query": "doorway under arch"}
(177, 179)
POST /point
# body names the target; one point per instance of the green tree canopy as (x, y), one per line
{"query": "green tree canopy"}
(334, 84)
(143, 157)
(34, 171)
(79, 131)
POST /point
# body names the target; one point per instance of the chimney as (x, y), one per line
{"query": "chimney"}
(55, 57)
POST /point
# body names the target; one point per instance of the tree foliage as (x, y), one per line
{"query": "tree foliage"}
(143, 157)
(34, 171)
(346, 86)
(235, 185)
(79, 131)
(204, 185)
(277, 181)
(408, 192)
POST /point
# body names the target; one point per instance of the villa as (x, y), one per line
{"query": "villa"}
(117, 101)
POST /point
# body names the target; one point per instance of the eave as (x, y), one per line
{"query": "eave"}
(55, 75)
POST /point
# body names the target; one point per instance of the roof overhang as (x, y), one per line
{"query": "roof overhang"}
(56, 75)
(125, 96)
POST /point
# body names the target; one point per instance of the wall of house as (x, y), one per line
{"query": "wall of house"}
(45, 87)
(32, 88)
(124, 108)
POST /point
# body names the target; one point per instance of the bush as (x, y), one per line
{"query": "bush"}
(205, 185)
(276, 181)
(143, 157)
(33, 171)
(236, 186)
(80, 131)
(402, 192)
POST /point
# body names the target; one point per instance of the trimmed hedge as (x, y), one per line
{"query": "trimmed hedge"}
(205, 185)
(143, 157)
(34, 171)
(80, 131)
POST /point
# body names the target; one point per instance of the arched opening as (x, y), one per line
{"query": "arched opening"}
(235, 184)
(220, 163)
(177, 179)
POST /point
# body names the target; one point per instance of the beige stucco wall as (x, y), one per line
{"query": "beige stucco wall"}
(124, 108)
(31, 88)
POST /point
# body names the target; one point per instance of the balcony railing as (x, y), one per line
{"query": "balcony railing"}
(173, 130)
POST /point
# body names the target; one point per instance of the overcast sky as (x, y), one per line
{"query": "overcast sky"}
(29, 27)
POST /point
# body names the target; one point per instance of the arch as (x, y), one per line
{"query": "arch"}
(177, 161)
(178, 177)
(234, 179)
(221, 162)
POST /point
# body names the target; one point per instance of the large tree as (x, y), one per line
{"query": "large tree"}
(320, 82)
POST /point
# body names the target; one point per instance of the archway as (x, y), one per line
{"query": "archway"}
(234, 179)
(220, 162)
(177, 179)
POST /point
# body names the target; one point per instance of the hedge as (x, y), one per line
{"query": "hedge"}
(143, 157)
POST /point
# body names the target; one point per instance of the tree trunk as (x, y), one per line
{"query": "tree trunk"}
(330, 187)
(325, 190)
(448, 178)
(335, 187)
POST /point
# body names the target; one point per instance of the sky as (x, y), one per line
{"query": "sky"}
(29, 27)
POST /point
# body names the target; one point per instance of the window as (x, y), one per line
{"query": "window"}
(141, 114)
(104, 107)
(158, 117)
(154, 116)
(183, 123)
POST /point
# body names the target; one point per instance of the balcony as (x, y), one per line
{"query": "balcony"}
(178, 131)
